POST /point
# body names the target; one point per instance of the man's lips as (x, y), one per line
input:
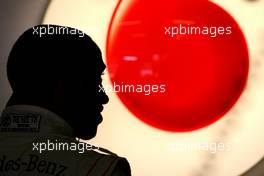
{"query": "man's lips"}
(100, 118)
(101, 108)
(98, 115)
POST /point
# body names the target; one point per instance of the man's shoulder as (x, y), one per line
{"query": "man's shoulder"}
(99, 160)
(106, 162)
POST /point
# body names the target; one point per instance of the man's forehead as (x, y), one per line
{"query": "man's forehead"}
(101, 65)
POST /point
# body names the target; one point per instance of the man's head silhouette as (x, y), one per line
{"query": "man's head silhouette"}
(59, 68)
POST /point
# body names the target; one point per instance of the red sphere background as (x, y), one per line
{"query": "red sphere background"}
(203, 76)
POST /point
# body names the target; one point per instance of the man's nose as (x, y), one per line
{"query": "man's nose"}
(104, 98)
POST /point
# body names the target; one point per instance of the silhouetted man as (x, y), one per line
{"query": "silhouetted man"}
(55, 74)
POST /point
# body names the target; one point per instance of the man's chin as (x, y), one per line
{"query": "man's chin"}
(88, 134)
(89, 131)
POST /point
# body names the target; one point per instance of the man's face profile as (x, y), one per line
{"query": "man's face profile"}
(84, 101)
(62, 73)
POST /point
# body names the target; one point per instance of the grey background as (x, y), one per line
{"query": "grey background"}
(15, 17)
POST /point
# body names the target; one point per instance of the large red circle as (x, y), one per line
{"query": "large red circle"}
(203, 75)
